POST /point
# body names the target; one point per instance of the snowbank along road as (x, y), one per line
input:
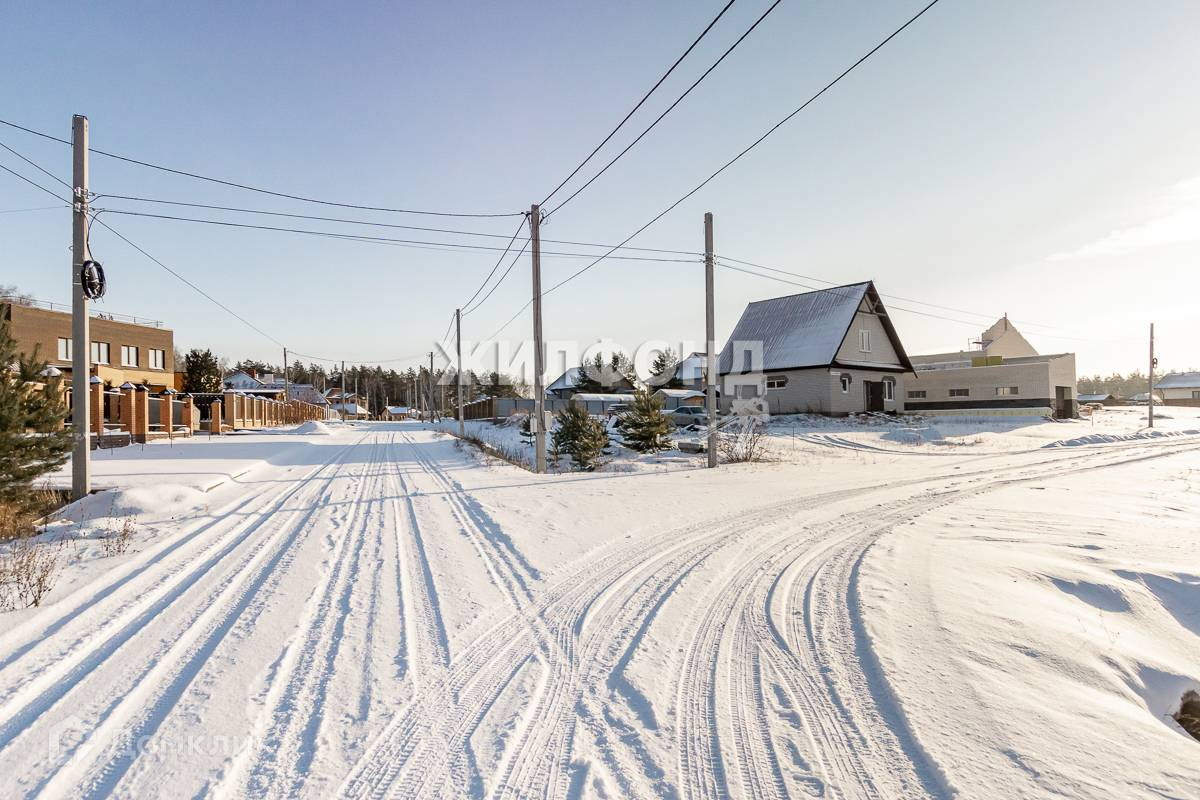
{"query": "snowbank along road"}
(384, 616)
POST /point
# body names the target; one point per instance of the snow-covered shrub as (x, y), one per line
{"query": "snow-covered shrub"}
(28, 570)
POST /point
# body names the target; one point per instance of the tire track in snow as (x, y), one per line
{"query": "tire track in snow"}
(46, 684)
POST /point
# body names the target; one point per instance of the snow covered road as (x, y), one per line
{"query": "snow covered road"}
(382, 616)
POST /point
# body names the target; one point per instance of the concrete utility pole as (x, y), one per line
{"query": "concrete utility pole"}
(539, 393)
(431, 411)
(1153, 362)
(710, 354)
(286, 393)
(458, 347)
(81, 346)
(343, 391)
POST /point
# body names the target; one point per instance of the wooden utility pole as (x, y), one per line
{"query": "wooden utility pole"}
(710, 351)
(81, 345)
(539, 393)
(1153, 362)
(458, 347)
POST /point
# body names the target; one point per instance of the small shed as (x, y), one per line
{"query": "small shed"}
(1103, 399)
(674, 398)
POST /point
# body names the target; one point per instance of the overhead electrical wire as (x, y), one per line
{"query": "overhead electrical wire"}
(378, 239)
(259, 190)
(641, 102)
(669, 109)
(981, 314)
(736, 158)
(496, 266)
(374, 224)
(205, 294)
(496, 285)
(38, 167)
(36, 185)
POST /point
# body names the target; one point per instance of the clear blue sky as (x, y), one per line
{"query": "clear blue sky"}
(1036, 158)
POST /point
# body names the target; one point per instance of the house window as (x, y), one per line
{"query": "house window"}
(158, 359)
(845, 384)
(1195, 395)
(99, 352)
(776, 381)
(889, 389)
(129, 356)
(960, 392)
(1006, 391)
(64, 349)
(864, 341)
(916, 394)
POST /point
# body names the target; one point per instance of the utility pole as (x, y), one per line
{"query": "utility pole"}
(539, 393)
(710, 354)
(1153, 362)
(431, 386)
(458, 347)
(343, 391)
(81, 346)
(286, 392)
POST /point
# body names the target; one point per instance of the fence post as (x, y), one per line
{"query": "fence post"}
(229, 406)
(141, 413)
(96, 387)
(187, 413)
(127, 409)
(166, 412)
(214, 417)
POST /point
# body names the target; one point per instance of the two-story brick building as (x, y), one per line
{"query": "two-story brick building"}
(132, 349)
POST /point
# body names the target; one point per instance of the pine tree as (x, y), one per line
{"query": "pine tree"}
(201, 372)
(663, 368)
(580, 435)
(32, 441)
(644, 427)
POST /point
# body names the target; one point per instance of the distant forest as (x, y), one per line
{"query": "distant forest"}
(1117, 384)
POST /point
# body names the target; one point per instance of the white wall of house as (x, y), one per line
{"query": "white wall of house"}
(1036, 380)
(881, 351)
(812, 391)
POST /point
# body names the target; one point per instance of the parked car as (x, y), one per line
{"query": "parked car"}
(689, 415)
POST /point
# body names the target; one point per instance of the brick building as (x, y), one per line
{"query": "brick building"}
(124, 349)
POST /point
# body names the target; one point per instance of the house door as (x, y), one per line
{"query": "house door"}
(874, 390)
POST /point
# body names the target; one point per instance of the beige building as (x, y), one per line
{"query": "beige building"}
(832, 351)
(1005, 374)
(123, 349)
(1179, 389)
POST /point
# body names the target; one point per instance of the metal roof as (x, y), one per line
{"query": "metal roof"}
(804, 330)
(1180, 380)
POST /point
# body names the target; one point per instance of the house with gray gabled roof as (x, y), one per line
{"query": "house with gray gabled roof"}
(832, 351)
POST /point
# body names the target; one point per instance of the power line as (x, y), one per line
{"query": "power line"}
(670, 108)
(733, 160)
(983, 315)
(374, 224)
(35, 184)
(39, 208)
(496, 266)
(365, 238)
(496, 285)
(259, 190)
(38, 167)
(645, 97)
(221, 305)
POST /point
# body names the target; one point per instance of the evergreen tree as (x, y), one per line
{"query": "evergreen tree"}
(201, 372)
(599, 375)
(32, 440)
(663, 368)
(644, 427)
(580, 435)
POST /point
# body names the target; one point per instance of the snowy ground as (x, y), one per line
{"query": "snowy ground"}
(960, 611)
